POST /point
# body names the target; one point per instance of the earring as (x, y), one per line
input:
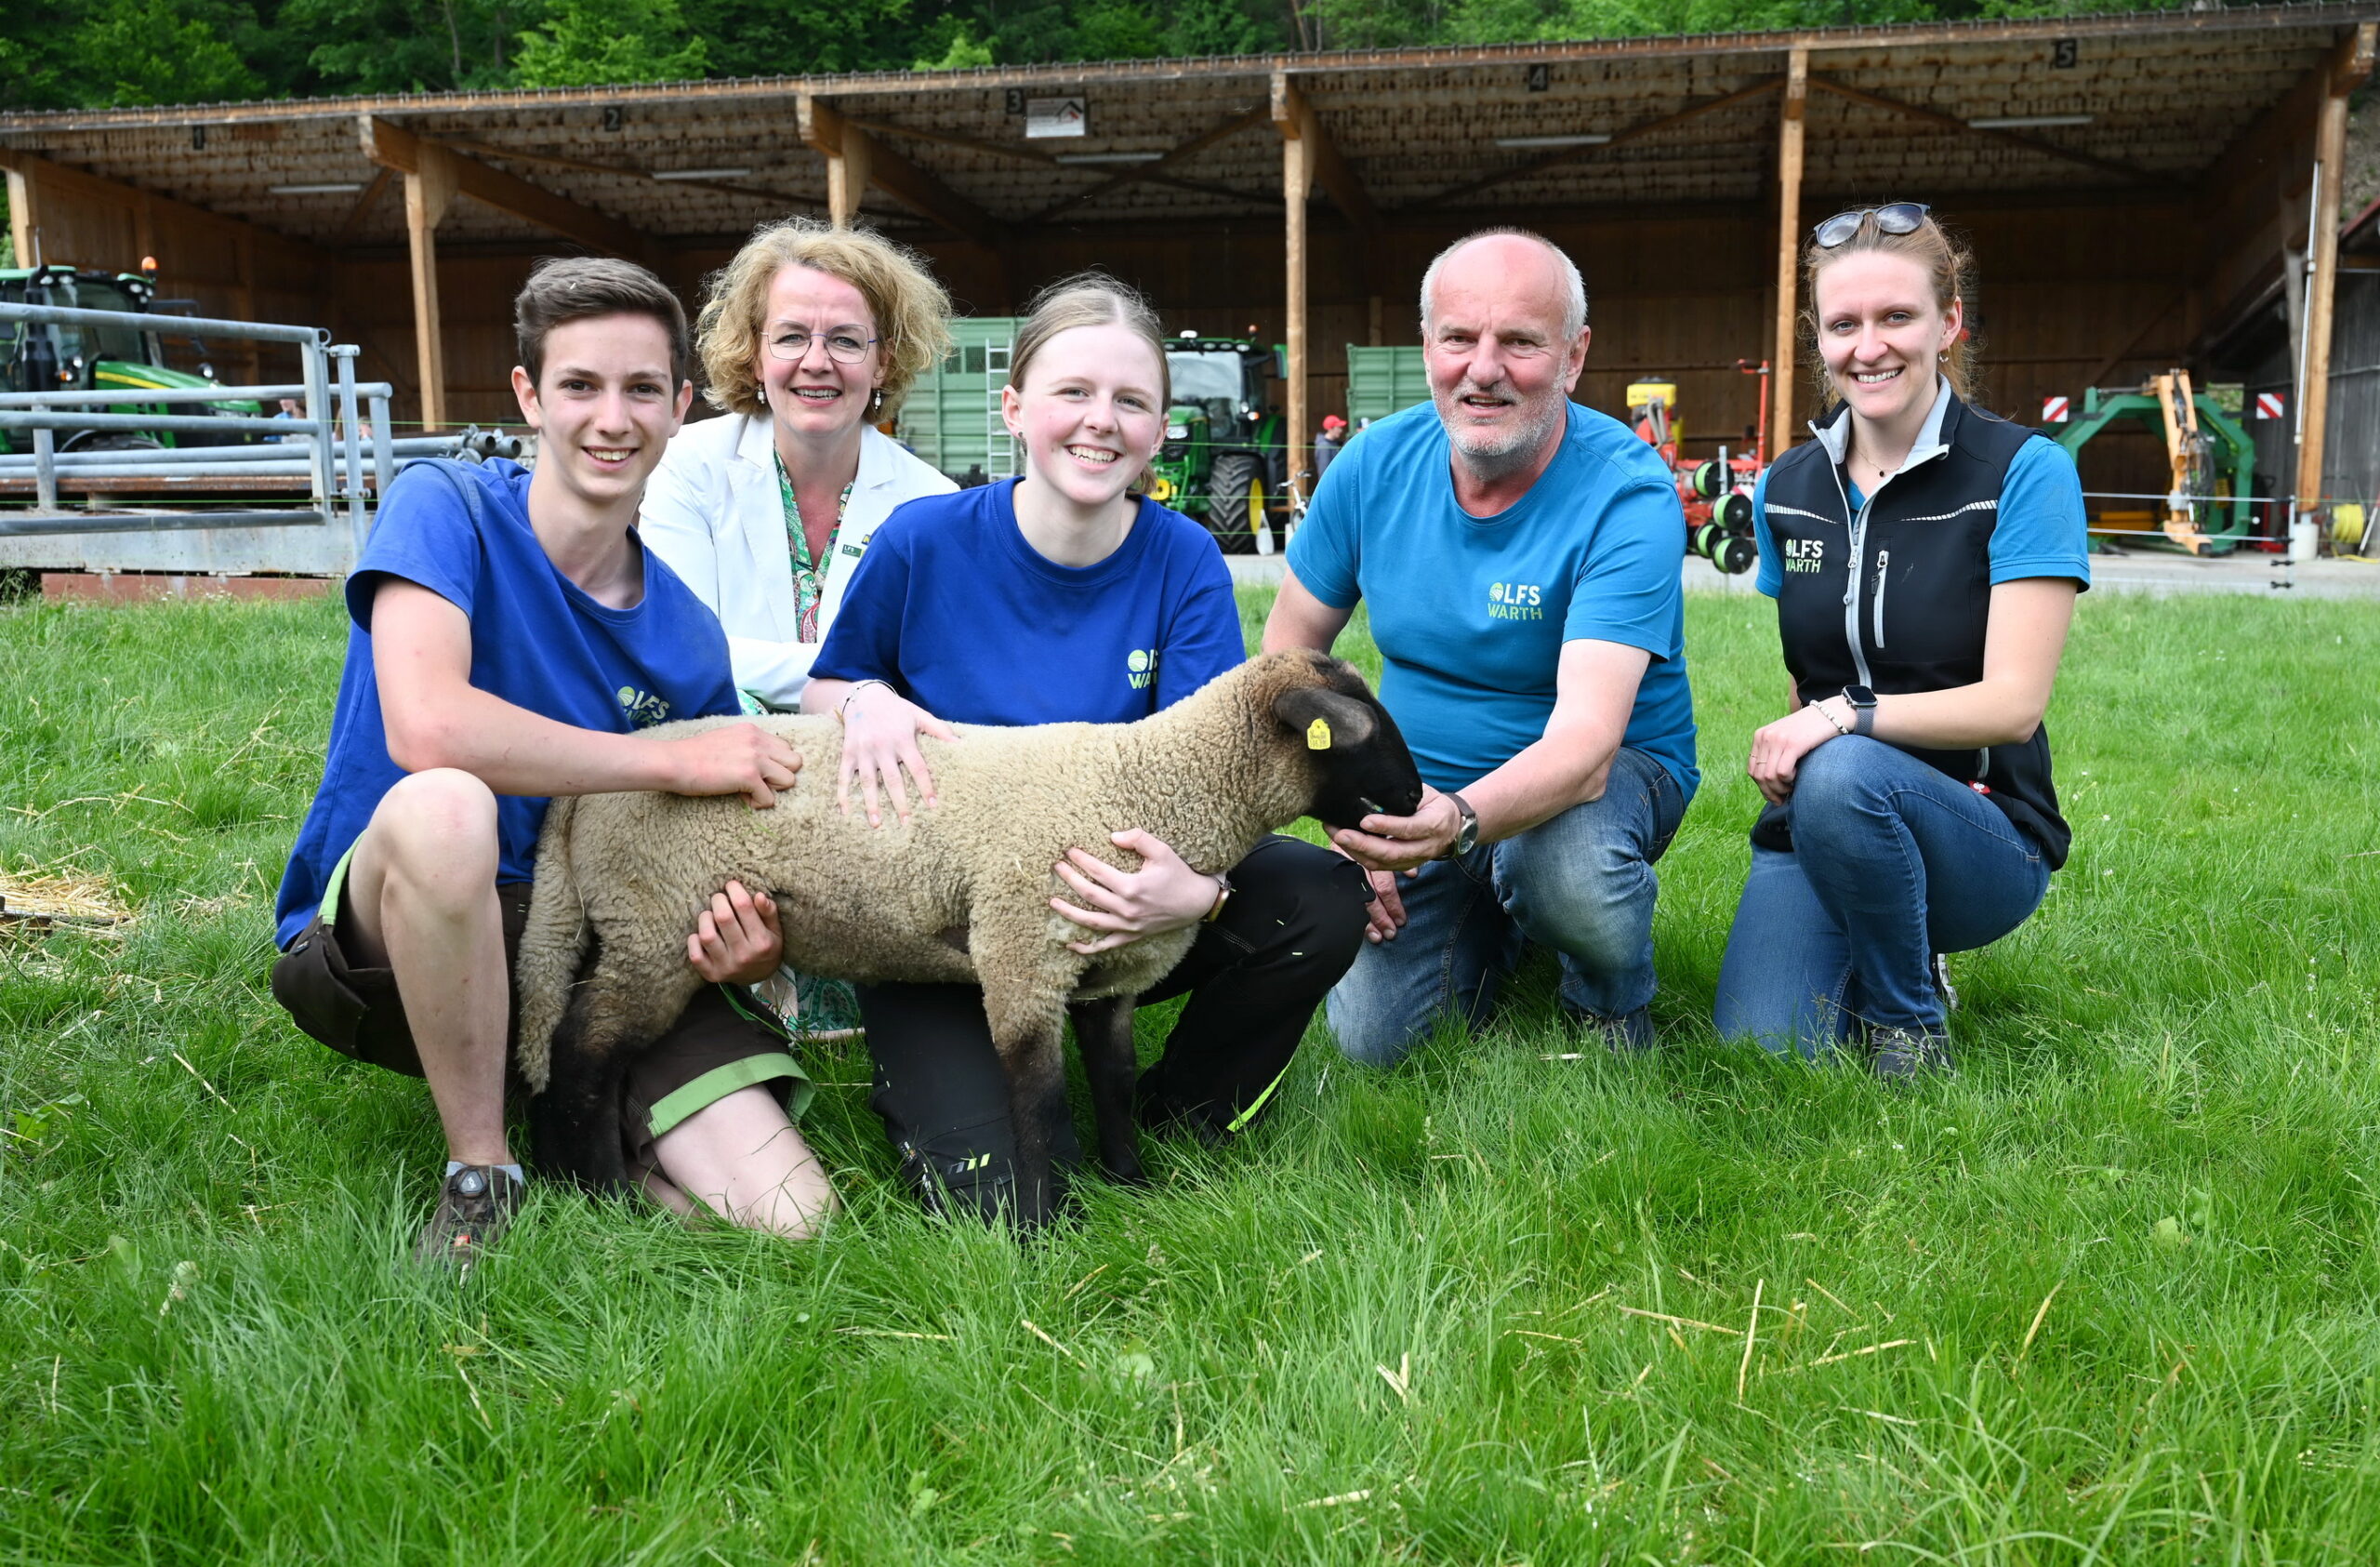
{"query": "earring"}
(876, 402)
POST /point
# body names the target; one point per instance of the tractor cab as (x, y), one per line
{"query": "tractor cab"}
(54, 357)
(1224, 461)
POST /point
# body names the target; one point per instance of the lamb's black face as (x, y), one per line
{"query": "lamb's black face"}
(1364, 769)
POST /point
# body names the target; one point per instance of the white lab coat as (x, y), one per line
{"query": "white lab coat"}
(712, 510)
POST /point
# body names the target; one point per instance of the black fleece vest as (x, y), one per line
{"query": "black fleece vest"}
(1910, 615)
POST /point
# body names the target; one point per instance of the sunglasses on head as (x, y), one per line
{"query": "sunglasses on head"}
(1900, 217)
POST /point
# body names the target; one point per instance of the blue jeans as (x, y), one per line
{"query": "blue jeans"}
(1892, 863)
(1582, 882)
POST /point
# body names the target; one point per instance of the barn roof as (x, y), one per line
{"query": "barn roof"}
(2054, 109)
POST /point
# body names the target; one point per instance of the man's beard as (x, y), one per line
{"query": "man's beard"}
(1493, 455)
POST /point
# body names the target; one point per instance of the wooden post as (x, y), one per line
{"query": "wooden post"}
(1297, 189)
(1789, 250)
(429, 190)
(2330, 156)
(848, 151)
(24, 226)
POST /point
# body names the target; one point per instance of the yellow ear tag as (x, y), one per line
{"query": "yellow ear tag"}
(1317, 734)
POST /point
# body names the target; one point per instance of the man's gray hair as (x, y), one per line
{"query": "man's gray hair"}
(1573, 308)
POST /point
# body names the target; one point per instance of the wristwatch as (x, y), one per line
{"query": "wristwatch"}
(1863, 708)
(1466, 835)
(1224, 889)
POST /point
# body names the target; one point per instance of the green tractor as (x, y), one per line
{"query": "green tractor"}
(53, 357)
(1226, 461)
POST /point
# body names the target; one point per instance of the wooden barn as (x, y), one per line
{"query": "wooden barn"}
(2138, 189)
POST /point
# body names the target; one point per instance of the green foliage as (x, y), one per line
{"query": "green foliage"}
(409, 46)
(583, 42)
(2107, 1298)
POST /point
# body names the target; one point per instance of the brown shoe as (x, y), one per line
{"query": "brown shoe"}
(474, 1206)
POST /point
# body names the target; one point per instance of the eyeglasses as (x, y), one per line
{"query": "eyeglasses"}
(1900, 217)
(843, 347)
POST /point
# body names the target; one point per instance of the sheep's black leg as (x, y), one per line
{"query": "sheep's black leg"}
(1037, 1097)
(1103, 1033)
(574, 1124)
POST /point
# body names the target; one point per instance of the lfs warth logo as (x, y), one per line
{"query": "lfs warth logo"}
(1140, 666)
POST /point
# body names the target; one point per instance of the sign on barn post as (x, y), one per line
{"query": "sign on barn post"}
(2054, 410)
(2269, 406)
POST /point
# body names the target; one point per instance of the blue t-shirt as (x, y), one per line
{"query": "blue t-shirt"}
(537, 641)
(1470, 613)
(2042, 530)
(958, 613)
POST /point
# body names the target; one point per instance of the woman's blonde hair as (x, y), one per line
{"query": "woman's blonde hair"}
(911, 310)
(1946, 262)
(1091, 299)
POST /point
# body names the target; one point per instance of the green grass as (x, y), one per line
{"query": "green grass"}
(2108, 1297)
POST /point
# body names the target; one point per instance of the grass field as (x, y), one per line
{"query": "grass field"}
(2108, 1297)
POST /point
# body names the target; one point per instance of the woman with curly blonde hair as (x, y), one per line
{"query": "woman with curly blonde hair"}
(809, 339)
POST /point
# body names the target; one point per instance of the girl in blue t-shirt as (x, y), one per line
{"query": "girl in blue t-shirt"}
(1925, 557)
(1064, 595)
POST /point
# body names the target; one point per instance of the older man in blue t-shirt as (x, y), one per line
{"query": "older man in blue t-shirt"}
(1520, 555)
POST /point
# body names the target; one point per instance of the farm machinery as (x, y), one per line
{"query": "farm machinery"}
(52, 356)
(1716, 493)
(1225, 460)
(2210, 460)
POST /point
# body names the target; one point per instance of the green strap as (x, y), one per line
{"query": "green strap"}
(1244, 1117)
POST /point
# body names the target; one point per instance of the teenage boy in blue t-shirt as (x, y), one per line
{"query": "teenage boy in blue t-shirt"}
(1521, 557)
(511, 636)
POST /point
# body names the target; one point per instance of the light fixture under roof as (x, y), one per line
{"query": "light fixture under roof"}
(2029, 122)
(1108, 157)
(700, 173)
(327, 187)
(1548, 143)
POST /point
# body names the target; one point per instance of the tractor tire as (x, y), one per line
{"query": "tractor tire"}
(1235, 496)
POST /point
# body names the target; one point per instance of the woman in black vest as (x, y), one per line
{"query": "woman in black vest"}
(1925, 556)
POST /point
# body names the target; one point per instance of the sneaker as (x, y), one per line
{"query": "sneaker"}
(1902, 1055)
(1631, 1035)
(474, 1206)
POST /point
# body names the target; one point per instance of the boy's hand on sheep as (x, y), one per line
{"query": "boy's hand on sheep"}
(1163, 894)
(740, 759)
(736, 940)
(880, 730)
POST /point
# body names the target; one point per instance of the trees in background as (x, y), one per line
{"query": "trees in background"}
(65, 53)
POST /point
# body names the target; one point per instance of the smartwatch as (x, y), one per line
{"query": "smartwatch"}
(1466, 835)
(1863, 708)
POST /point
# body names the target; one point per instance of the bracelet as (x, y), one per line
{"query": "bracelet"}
(844, 706)
(1838, 729)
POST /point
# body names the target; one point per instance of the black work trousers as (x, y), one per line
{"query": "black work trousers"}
(1294, 925)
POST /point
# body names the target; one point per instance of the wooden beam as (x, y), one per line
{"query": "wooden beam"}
(380, 178)
(392, 146)
(1793, 108)
(2351, 65)
(856, 159)
(429, 190)
(1636, 132)
(1297, 186)
(2006, 137)
(1291, 107)
(25, 222)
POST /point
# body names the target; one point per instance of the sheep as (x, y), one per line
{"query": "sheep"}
(959, 893)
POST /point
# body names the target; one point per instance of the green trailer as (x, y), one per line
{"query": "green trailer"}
(1381, 381)
(59, 358)
(952, 415)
